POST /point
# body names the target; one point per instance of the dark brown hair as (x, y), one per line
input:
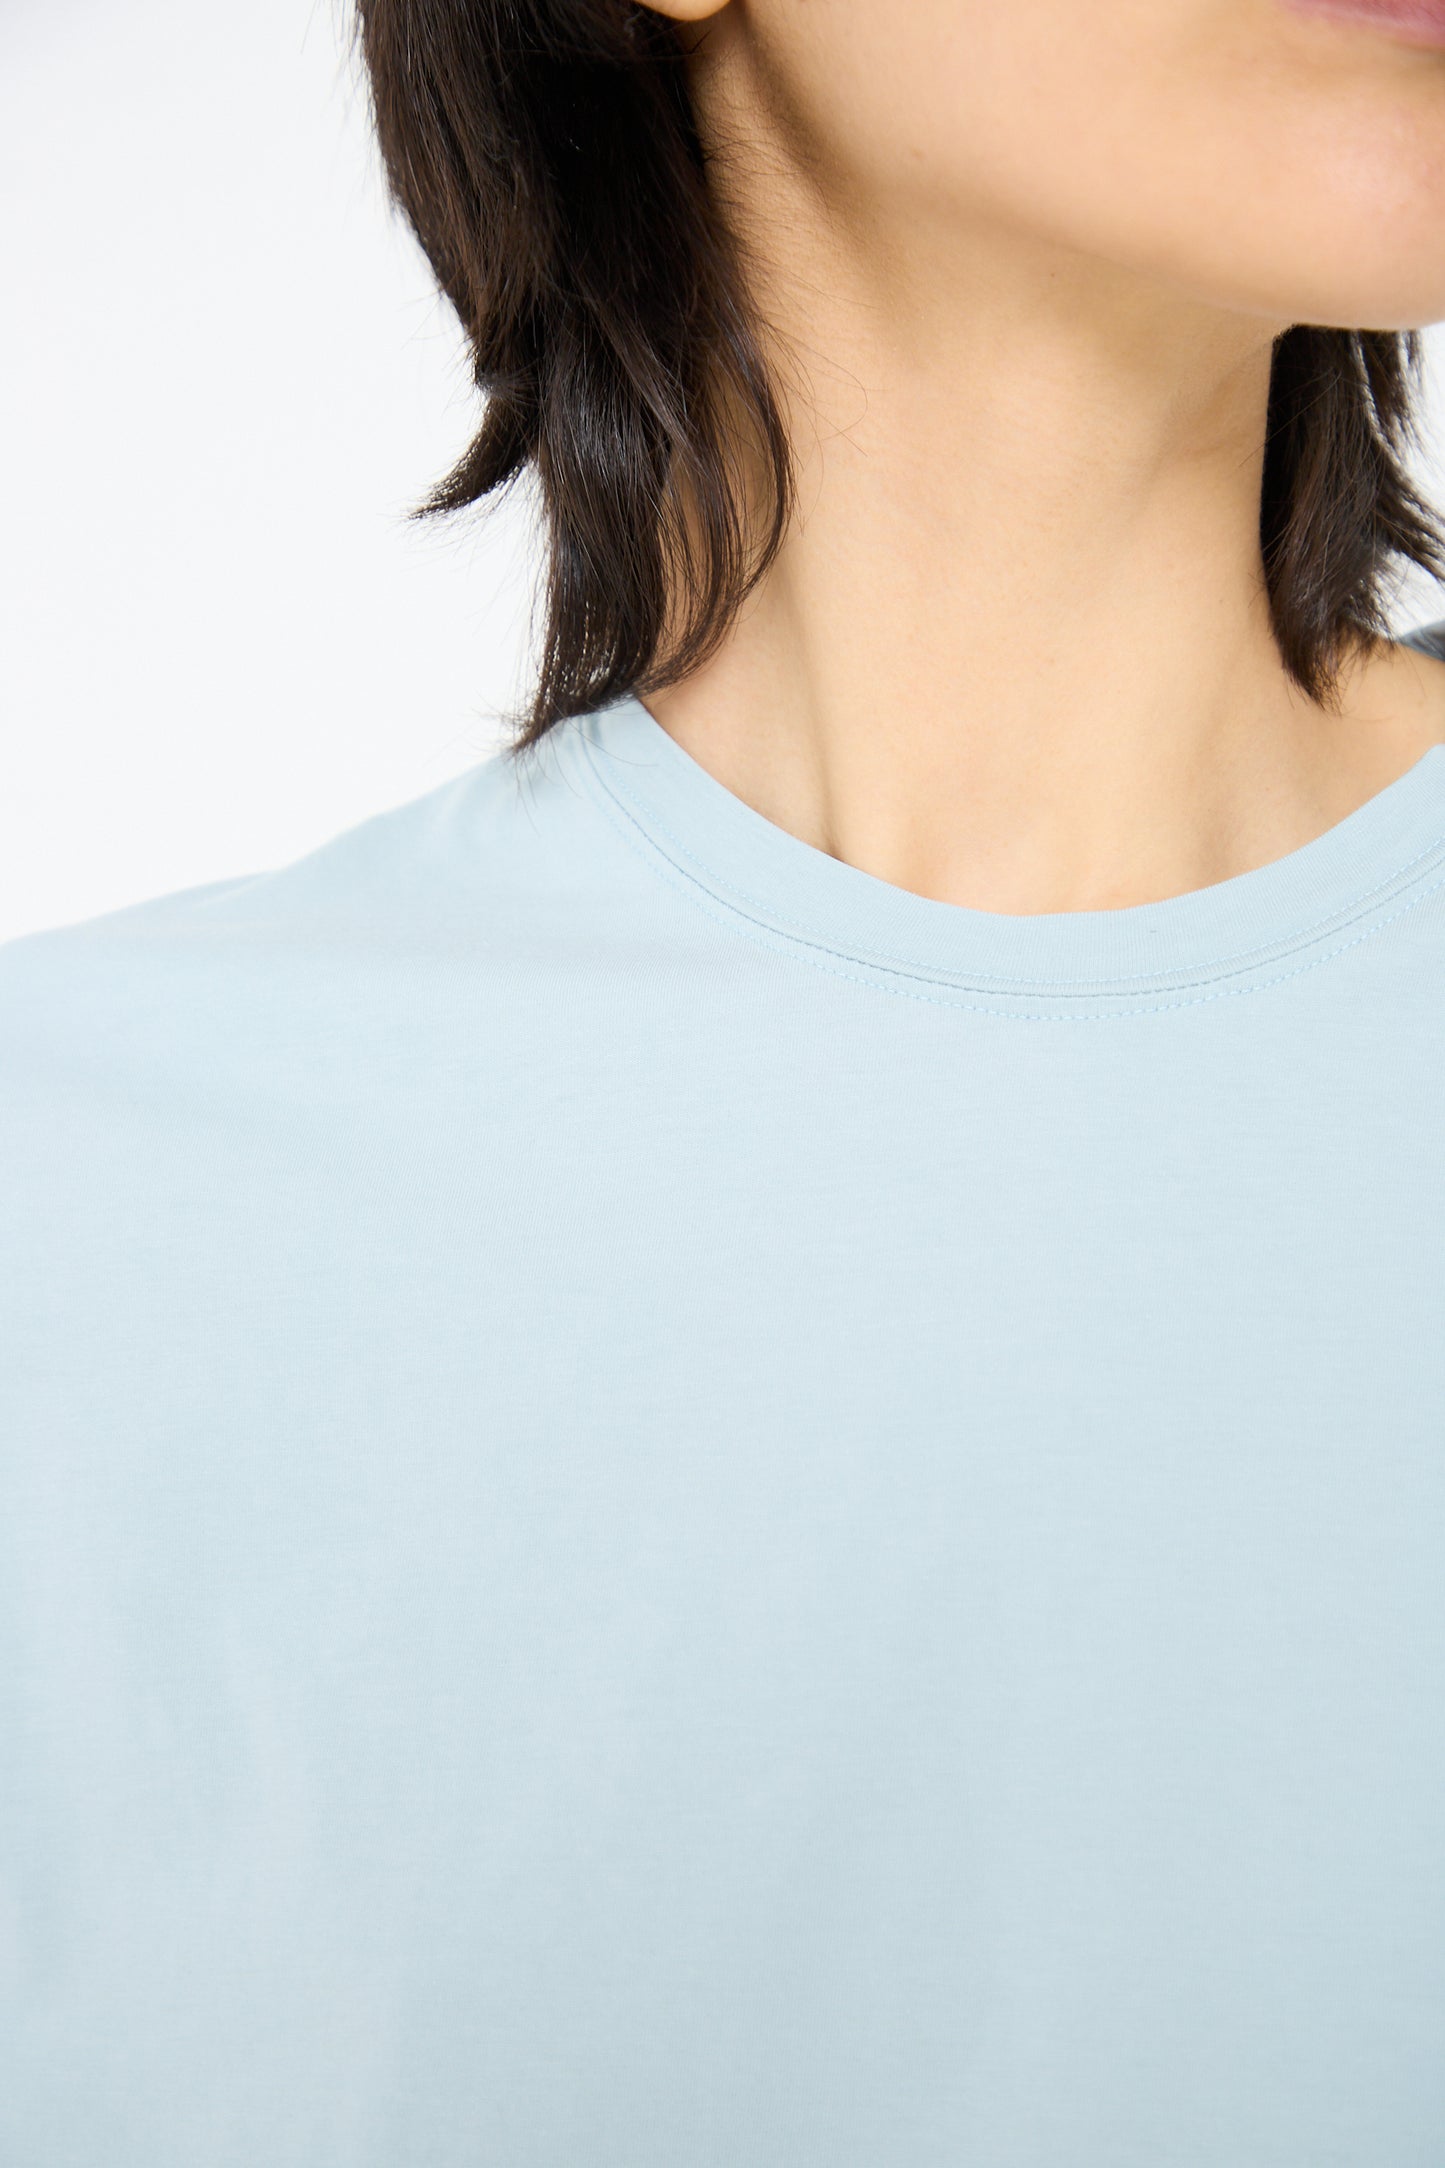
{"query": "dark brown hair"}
(546, 156)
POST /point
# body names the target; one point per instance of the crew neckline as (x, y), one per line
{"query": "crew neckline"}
(1237, 935)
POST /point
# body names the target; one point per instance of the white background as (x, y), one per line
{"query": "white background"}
(224, 377)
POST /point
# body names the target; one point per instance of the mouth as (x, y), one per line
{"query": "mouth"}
(1409, 22)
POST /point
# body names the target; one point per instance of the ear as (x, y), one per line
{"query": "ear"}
(688, 11)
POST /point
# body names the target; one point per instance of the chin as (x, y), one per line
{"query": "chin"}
(1339, 274)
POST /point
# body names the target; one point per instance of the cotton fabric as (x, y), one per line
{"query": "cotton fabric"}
(665, 1507)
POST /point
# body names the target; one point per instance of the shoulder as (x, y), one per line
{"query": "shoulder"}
(312, 963)
(495, 841)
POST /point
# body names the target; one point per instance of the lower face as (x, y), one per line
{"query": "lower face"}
(1285, 158)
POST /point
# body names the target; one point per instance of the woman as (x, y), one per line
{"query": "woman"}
(729, 1447)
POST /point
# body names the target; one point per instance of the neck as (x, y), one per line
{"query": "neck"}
(1015, 652)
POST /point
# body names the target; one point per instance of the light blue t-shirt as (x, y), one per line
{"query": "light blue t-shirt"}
(666, 1507)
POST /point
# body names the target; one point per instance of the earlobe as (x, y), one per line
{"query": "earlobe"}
(688, 11)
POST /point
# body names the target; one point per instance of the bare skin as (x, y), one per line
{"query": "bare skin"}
(1023, 263)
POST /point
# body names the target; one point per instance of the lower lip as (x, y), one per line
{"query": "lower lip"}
(1413, 22)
